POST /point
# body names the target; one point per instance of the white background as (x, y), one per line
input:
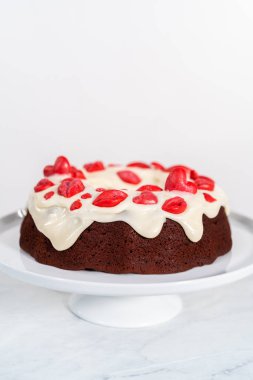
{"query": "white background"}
(126, 80)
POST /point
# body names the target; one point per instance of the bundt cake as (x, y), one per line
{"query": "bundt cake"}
(139, 218)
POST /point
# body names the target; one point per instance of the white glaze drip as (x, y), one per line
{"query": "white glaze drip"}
(63, 227)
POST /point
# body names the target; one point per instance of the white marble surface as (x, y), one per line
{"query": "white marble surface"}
(212, 339)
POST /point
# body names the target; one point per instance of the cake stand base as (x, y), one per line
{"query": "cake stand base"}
(125, 312)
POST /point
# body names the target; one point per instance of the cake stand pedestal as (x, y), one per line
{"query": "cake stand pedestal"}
(125, 311)
(127, 300)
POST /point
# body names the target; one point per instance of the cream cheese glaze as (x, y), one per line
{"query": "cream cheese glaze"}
(62, 226)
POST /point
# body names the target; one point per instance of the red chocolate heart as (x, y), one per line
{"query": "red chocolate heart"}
(61, 165)
(86, 196)
(43, 184)
(175, 205)
(138, 164)
(129, 177)
(49, 195)
(149, 188)
(177, 181)
(94, 166)
(76, 205)
(209, 198)
(158, 166)
(75, 173)
(204, 183)
(146, 198)
(70, 187)
(109, 198)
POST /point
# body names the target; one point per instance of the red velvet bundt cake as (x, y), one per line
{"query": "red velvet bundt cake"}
(138, 218)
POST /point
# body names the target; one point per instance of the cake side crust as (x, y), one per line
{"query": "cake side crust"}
(117, 248)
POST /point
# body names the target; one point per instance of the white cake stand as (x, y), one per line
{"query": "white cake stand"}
(126, 300)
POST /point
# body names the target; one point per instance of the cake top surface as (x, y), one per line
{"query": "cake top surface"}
(68, 200)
